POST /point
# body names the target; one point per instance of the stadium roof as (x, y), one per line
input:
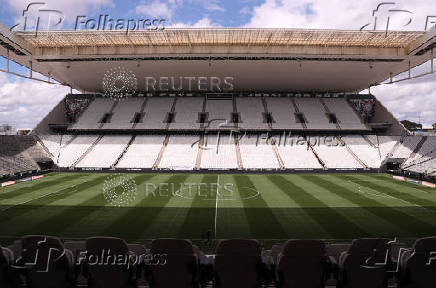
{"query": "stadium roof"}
(297, 60)
(223, 36)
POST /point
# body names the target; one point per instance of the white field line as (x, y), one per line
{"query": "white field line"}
(390, 196)
(216, 202)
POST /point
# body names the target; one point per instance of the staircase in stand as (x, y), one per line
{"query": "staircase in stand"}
(297, 110)
(43, 145)
(373, 145)
(173, 108)
(199, 153)
(363, 164)
(278, 157)
(162, 150)
(110, 112)
(265, 108)
(144, 104)
(327, 110)
(87, 151)
(124, 151)
(418, 147)
(238, 153)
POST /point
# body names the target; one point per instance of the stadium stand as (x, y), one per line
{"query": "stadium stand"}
(219, 112)
(283, 113)
(252, 113)
(124, 113)
(408, 145)
(337, 156)
(364, 262)
(314, 114)
(180, 153)
(257, 153)
(111, 146)
(297, 156)
(368, 154)
(346, 116)
(249, 113)
(143, 152)
(92, 117)
(156, 111)
(218, 152)
(17, 154)
(186, 113)
(387, 145)
(75, 150)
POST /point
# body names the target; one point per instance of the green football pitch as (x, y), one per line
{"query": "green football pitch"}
(268, 207)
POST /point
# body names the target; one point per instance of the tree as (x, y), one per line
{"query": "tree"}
(410, 125)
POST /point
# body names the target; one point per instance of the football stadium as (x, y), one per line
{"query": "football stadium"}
(218, 157)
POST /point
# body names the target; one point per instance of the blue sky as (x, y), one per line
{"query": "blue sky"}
(412, 99)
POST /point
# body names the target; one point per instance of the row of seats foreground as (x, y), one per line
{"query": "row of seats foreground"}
(105, 262)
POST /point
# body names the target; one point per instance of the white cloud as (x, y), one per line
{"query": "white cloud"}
(410, 100)
(204, 22)
(23, 103)
(339, 14)
(156, 9)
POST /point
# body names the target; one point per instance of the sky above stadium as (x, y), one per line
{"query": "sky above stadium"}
(23, 103)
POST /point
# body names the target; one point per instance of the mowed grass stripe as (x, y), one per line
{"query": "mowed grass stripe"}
(396, 218)
(93, 220)
(259, 215)
(59, 217)
(408, 197)
(34, 216)
(343, 205)
(328, 218)
(42, 185)
(201, 213)
(407, 188)
(294, 221)
(419, 213)
(135, 220)
(46, 199)
(231, 220)
(170, 220)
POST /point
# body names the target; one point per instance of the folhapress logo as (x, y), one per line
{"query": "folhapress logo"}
(37, 16)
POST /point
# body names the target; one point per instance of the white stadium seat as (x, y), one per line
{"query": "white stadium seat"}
(219, 152)
(143, 152)
(180, 153)
(106, 152)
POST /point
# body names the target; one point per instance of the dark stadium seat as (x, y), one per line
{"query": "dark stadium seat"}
(238, 264)
(140, 251)
(108, 273)
(363, 264)
(175, 264)
(46, 263)
(302, 263)
(418, 265)
(6, 260)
